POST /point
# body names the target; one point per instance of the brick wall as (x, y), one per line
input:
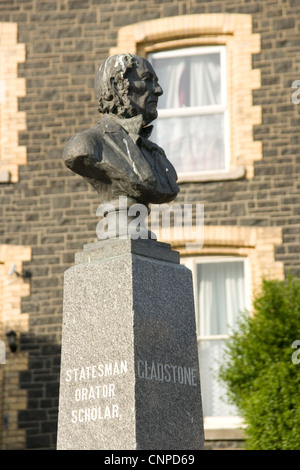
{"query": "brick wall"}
(53, 211)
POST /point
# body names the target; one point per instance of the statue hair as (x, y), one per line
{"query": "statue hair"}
(111, 85)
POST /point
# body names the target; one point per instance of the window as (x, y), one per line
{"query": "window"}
(227, 32)
(11, 88)
(192, 125)
(222, 291)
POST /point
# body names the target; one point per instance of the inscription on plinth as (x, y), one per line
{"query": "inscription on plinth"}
(99, 399)
(166, 373)
(91, 401)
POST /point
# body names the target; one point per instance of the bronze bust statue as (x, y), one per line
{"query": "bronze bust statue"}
(116, 156)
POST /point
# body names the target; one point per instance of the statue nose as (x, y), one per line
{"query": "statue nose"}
(158, 90)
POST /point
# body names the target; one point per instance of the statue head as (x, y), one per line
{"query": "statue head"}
(126, 85)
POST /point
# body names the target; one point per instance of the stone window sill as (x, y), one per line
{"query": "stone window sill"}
(224, 428)
(224, 434)
(235, 174)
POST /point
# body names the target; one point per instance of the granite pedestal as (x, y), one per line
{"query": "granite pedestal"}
(129, 367)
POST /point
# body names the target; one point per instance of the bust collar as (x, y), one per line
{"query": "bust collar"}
(134, 126)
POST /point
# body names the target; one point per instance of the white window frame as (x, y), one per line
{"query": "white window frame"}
(218, 422)
(222, 108)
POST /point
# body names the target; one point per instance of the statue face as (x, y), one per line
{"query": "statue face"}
(144, 90)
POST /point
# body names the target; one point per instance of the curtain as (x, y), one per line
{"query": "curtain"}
(214, 393)
(221, 297)
(171, 74)
(196, 142)
(189, 81)
(205, 80)
(192, 143)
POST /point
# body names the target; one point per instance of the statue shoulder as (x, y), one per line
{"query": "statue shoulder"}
(86, 143)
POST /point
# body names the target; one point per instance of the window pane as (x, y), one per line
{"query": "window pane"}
(221, 298)
(173, 76)
(189, 80)
(192, 143)
(214, 396)
(205, 80)
(221, 294)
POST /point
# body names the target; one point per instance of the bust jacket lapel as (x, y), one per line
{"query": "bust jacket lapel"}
(119, 150)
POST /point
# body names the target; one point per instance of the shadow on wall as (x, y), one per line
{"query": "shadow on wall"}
(41, 382)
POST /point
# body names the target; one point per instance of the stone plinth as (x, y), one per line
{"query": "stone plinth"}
(129, 367)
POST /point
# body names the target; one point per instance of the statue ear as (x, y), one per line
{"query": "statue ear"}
(117, 88)
(113, 93)
(112, 83)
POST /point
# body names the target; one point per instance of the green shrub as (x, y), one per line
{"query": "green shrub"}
(262, 379)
